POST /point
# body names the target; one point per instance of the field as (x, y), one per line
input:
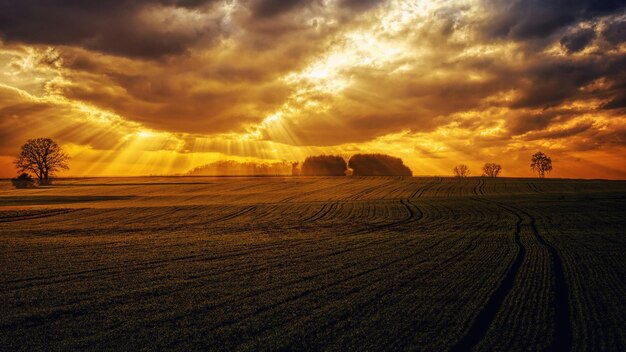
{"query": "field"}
(291, 263)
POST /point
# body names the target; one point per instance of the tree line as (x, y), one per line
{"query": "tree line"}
(539, 163)
(358, 165)
(43, 157)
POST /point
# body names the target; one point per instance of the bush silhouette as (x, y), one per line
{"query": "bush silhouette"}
(23, 181)
(324, 165)
(378, 165)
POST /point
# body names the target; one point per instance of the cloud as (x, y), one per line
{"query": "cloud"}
(578, 40)
(23, 116)
(147, 29)
(560, 133)
(537, 19)
(262, 77)
(270, 8)
(615, 31)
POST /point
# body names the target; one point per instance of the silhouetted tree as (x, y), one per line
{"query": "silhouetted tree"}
(43, 157)
(23, 181)
(324, 165)
(461, 170)
(378, 165)
(491, 169)
(541, 163)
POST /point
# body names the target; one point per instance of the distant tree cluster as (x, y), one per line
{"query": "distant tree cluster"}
(358, 165)
(43, 157)
(324, 165)
(378, 165)
(237, 168)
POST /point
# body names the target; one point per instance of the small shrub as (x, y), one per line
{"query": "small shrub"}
(23, 181)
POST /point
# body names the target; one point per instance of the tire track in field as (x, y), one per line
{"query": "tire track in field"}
(481, 186)
(373, 189)
(138, 267)
(321, 190)
(411, 218)
(237, 214)
(377, 296)
(487, 314)
(251, 294)
(321, 213)
(533, 187)
(404, 284)
(562, 340)
(45, 214)
(318, 289)
(261, 310)
(413, 214)
(420, 191)
(476, 187)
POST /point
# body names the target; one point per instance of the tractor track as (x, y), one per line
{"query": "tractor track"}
(562, 339)
(45, 214)
(485, 318)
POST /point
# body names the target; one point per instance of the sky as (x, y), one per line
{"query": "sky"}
(154, 87)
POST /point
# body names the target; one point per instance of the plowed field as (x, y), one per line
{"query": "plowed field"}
(378, 263)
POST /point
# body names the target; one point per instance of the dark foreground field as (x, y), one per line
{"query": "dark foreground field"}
(314, 263)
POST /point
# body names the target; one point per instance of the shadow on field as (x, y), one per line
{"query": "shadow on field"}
(43, 200)
(67, 185)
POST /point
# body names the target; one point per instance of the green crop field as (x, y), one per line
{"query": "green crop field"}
(297, 263)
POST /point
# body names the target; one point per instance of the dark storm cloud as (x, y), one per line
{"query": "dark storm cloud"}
(360, 4)
(531, 19)
(108, 26)
(270, 8)
(524, 123)
(615, 32)
(618, 102)
(578, 40)
(554, 81)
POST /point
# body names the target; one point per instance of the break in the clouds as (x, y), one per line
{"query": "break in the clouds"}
(166, 83)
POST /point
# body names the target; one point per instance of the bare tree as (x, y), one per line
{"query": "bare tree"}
(461, 170)
(541, 163)
(491, 169)
(43, 157)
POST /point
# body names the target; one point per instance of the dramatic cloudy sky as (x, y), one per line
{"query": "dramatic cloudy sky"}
(162, 86)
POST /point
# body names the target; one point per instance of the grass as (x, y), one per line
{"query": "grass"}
(381, 263)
